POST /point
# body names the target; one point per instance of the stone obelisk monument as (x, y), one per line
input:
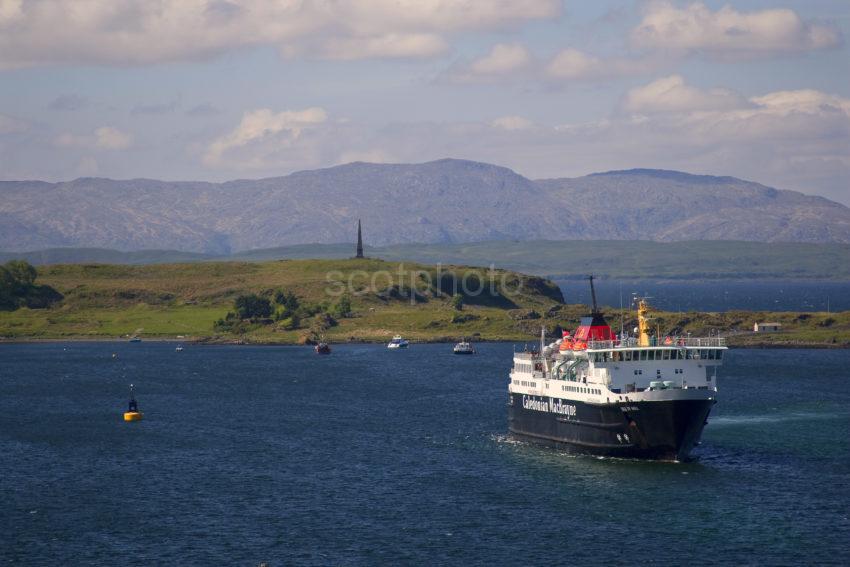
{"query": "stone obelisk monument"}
(359, 241)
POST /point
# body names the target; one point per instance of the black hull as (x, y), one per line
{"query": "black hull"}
(661, 430)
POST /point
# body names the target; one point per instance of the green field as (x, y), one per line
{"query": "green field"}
(164, 301)
(168, 301)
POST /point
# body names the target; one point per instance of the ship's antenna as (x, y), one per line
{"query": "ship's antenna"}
(593, 295)
(621, 311)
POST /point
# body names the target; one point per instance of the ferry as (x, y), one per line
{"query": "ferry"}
(644, 397)
(398, 342)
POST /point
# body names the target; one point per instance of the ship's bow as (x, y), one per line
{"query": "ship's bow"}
(667, 429)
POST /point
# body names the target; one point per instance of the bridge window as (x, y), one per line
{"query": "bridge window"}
(666, 355)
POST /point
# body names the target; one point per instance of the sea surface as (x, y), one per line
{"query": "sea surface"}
(368, 457)
(719, 295)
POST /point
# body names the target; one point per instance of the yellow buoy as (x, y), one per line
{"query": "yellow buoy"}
(132, 413)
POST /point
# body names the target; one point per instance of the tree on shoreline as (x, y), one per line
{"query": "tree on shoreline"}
(18, 288)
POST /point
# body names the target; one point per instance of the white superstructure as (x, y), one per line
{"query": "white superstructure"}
(621, 370)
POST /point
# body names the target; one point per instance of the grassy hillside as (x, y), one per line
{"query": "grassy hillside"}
(171, 300)
(112, 301)
(551, 258)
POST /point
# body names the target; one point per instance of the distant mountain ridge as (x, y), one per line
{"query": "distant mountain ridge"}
(444, 201)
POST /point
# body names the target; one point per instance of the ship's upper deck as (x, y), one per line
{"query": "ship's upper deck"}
(631, 343)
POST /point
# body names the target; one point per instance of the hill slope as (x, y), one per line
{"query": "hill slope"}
(445, 201)
(112, 301)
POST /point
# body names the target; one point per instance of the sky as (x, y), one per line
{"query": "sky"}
(225, 89)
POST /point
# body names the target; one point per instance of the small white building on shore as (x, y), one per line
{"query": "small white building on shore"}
(767, 327)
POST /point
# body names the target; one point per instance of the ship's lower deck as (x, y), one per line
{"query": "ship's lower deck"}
(656, 429)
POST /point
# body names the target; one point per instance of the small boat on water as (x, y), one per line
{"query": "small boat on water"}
(179, 348)
(398, 342)
(135, 339)
(133, 413)
(463, 347)
(323, 348)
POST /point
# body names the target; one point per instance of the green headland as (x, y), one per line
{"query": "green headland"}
(353, 300)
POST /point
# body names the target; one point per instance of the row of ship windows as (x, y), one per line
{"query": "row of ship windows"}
(657, 354)
(521, 367)
(676, 371)
(525, 383)
(581, 390)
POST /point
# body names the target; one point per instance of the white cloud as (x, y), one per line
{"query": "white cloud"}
(808, 101)
(262, 133)
(130, 32)
(504, 61)
(512, 123)
(671, 94)
(413, 45)
(572, 63)
(728, 32)
(110, 138)
(10, 12)
(503, 58)
(105, 138)
(575, 65)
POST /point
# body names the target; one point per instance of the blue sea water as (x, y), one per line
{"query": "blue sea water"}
(720, 295)
(368, 456)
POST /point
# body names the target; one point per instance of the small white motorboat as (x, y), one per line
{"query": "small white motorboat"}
(397, 342)
(463, 347)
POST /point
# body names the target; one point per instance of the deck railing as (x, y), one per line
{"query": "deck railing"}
(631, 342)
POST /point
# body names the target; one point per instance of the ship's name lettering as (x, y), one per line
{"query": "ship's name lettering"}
(560, 407)
(534, 404)
(550, 406)
(629, 408)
